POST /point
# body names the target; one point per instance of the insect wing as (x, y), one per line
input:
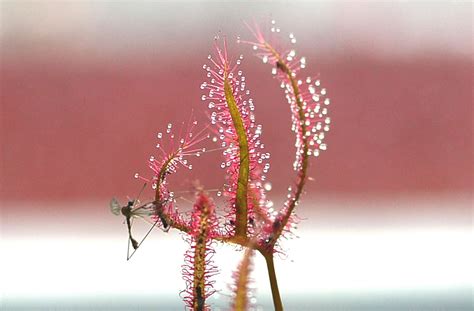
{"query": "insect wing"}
(144, 210)
(146, 213)
(115, 206)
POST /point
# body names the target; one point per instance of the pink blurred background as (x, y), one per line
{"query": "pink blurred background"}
(85, 87)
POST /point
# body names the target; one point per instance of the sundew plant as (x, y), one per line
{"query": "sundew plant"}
(247, 218)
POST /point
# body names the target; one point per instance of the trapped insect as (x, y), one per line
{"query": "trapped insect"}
(147, 212)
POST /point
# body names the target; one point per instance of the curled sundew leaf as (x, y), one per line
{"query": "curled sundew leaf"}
(198, 267)
(308, 104)
(242, 279)
(232, 116)
(173, 151)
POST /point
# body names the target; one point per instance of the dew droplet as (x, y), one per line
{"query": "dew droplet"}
(303, 62)
(136, 175)
(267, 186)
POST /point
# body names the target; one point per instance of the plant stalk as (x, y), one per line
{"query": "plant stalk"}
(273, 282)
(291, 202)
(243, 179)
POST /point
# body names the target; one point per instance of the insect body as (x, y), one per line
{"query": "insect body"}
(130, 212)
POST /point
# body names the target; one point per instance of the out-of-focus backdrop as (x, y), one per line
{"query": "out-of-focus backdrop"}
(86, 86)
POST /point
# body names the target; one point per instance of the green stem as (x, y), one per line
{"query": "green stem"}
(242, 182)
(304, 161)
(273, 282)
(281, 64)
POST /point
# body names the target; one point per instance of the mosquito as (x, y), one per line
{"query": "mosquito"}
(133, 210)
